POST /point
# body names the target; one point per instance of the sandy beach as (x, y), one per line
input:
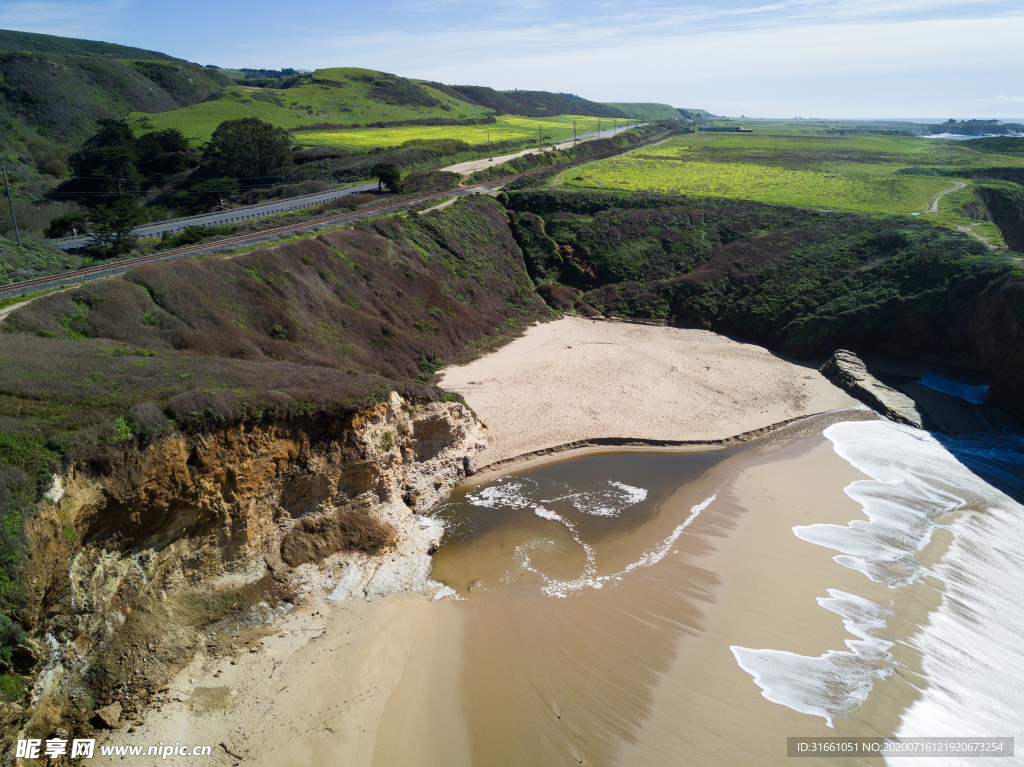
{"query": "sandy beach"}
(603, 677)
(604, 606)
(577, 379)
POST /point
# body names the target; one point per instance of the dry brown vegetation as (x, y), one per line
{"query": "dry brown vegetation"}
(322, 321)
(313, 540)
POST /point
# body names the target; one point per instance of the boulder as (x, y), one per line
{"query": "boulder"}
(108, 716)
(846, 370)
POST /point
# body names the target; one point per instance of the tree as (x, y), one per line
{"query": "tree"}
(388, 175)
(113, 225)
(248, 148)
(67, 225)
(113, 163)
(208, 194)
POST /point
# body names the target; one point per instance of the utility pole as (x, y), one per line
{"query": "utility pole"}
(538, 137)
(574, 139)
(489, 158)
(11, 203)
(599, 127)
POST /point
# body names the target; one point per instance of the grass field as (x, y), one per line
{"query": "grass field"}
(813, 127)
(507, 128)
(852, 173)
(340, 96)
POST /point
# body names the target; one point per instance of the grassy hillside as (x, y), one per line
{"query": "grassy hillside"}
(647, 110)
(50, 103)
(802, 281)
(868, 174)
(321, 324)
(341, 96)
(338, 107)
(35, 43)
(1004, 145)
(528, 103)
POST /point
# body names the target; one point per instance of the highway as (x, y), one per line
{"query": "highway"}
(271, 207)
(118, 267)
(252, 238)
(227, 216)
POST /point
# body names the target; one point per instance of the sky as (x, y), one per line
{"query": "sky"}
(934, 59)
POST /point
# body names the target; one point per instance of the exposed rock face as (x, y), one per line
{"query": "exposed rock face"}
(847, 371)
(212, 510)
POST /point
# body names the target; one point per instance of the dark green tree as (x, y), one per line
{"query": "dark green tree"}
(389, 175)
(67, 225)
(113, 163)
(248, 148)
(113, 226)
(163, 153)
(207, 194)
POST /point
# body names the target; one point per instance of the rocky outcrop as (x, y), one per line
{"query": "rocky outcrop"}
(125, 563)
(847, 371)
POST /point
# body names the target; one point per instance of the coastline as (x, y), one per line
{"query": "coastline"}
(389, 681)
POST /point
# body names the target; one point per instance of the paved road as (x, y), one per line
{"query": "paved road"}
(471, 166)
(227, 216)
(262, 209)
(230, 243)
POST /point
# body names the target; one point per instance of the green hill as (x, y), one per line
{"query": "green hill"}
(50, 100)
(358, 98)
(646, 110)
(528, 103)
(347, 97)
(11, 40)
(61, 97)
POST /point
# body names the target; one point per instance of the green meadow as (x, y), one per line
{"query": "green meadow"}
(506, 128)
(863, 173)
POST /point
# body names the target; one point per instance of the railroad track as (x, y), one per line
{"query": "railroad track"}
(119, 267)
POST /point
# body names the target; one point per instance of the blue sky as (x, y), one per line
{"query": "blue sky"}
(808, 58)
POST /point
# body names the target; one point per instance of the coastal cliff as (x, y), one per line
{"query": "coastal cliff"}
(126, 567)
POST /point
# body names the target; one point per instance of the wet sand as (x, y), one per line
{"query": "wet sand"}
(576, 379)
(638, 671)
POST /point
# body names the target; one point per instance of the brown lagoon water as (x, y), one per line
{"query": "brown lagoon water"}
(699, 607)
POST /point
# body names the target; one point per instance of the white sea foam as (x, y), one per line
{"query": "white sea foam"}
(558, 588)
(605, 503)
(915, 483)
(502, 494)
(975, 393)
(970, 646)
(510, 494)
(835, 683)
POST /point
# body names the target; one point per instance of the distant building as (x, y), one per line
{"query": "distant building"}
(724, 129)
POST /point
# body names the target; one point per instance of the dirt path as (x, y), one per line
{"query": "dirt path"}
(970, 230)
(6, 311)
(933, 203)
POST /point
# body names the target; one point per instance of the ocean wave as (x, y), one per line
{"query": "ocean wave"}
(835, 683)
(919, 483)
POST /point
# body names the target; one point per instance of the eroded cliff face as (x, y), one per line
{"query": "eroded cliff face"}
(126, 565)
